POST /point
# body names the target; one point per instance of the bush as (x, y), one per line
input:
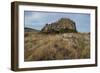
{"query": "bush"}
(53, 31)
(66, 31)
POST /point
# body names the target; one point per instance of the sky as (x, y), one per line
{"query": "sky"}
(37, 20)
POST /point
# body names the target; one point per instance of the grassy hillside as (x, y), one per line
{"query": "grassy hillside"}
(27, 29)
(40, 46)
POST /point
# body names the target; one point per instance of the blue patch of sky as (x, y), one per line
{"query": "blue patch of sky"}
(37, 20)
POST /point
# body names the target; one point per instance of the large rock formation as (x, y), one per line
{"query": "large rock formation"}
(60, 26)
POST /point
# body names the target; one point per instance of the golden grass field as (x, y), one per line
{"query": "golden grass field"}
(39, 46)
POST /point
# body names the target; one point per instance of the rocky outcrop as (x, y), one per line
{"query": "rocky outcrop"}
(60, 26)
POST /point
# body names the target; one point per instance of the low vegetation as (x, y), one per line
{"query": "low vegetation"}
(39, 46)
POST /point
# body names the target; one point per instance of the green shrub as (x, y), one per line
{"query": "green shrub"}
(54, 31)
(66, 31)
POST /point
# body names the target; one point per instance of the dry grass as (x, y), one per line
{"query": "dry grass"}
(40, 46)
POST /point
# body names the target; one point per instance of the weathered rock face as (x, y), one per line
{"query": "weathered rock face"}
(62, 25)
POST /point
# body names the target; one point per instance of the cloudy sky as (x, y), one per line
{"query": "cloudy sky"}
(37, 20)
